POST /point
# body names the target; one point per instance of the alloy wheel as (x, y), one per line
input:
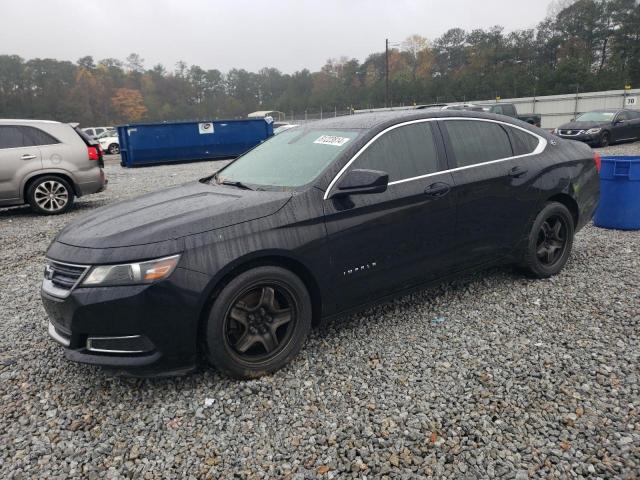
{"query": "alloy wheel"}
(114, 149)
(552, 240)
(260, 322)
(51, 196)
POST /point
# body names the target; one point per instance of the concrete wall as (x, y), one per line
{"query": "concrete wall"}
(558, 109)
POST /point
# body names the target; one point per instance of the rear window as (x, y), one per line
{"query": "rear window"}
(39, 137)
(522, 142)
(85, 138)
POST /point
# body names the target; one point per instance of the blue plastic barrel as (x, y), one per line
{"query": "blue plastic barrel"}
(156, 143)
(619, 206)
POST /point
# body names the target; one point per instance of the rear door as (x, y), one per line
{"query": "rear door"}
(493, 185)
(381, 243)
(19, 157)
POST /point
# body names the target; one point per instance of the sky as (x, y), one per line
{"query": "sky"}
(287, 34)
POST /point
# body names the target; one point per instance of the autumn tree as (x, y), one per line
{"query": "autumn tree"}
(128, 104)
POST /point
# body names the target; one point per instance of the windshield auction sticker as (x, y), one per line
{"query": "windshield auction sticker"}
(331, 140)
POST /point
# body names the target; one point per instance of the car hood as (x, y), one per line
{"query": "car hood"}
(581, 125)
(170, 214)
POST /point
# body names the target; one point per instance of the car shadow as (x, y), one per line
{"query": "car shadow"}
(24, 211)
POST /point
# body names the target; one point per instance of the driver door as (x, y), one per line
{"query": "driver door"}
(384, 242)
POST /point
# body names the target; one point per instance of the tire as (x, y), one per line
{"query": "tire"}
(247, 333)
(549, 245)
(605, 139)
(50, 195)
(114, 149)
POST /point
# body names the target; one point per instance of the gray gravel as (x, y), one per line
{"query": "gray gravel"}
(493, 375)
(632, 148)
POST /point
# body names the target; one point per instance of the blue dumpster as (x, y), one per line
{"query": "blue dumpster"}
(619, 194)
(155, 143)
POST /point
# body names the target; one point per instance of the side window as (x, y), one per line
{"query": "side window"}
(404, 152)
(498, 109)
(39, 137)
(476, 141)
(623, 116)
(13, 137)
(522, 142)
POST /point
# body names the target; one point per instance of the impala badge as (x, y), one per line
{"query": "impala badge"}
(360, 268)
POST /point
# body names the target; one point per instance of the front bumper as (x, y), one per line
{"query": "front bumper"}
(591, 139)
(142, 329)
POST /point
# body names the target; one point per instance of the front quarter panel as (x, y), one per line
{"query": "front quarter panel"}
(295, 233)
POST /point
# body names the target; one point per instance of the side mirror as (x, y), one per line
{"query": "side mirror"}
(619, 121)
(362, 182)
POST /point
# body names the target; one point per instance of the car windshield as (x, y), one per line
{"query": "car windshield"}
(291, 159)
(596, 117)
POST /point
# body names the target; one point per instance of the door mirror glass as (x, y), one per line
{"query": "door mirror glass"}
(361, 181)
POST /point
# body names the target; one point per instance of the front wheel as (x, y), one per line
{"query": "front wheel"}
(258, 322)
(50, 195)
(114, 149)
(605, 139)
(550, 241)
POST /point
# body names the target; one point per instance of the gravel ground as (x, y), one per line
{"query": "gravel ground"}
(621, 149)
(493, 375)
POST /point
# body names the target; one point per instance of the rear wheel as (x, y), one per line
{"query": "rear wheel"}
(258, 322)
(550, 241)
(605, 139)
(50, 195)
(114, 149)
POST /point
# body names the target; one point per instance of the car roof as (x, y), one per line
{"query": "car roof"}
(25, 121)
(366, 121)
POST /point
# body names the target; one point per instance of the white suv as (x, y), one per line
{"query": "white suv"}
(95, 131)
(109, 142)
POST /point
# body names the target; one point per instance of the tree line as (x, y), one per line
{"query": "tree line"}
(583, 45)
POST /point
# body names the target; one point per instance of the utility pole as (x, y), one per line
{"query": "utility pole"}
(386, 72)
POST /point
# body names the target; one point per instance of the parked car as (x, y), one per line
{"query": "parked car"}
(46, 164)
(457, 106)
(602, 127)
(94, 132)
(314, 222)
(282, 127)
(109, 142)
(510, 110)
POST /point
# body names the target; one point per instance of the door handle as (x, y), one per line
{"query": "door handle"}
(438, 189)
(517, 172)
(27, 156)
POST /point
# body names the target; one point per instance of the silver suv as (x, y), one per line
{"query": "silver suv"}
(47, 164)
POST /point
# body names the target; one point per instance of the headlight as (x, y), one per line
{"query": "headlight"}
(131, 273)
(556, 131)
(593, 130)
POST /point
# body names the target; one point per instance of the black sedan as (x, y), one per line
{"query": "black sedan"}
(602, 127)
(320, 220)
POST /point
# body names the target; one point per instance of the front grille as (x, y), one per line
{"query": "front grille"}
(63, 277)
(571, 132)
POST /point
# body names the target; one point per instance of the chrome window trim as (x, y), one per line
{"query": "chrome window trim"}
(107, 350)
(542, 144)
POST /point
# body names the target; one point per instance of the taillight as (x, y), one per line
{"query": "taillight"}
(94, 153)
(597, 160)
